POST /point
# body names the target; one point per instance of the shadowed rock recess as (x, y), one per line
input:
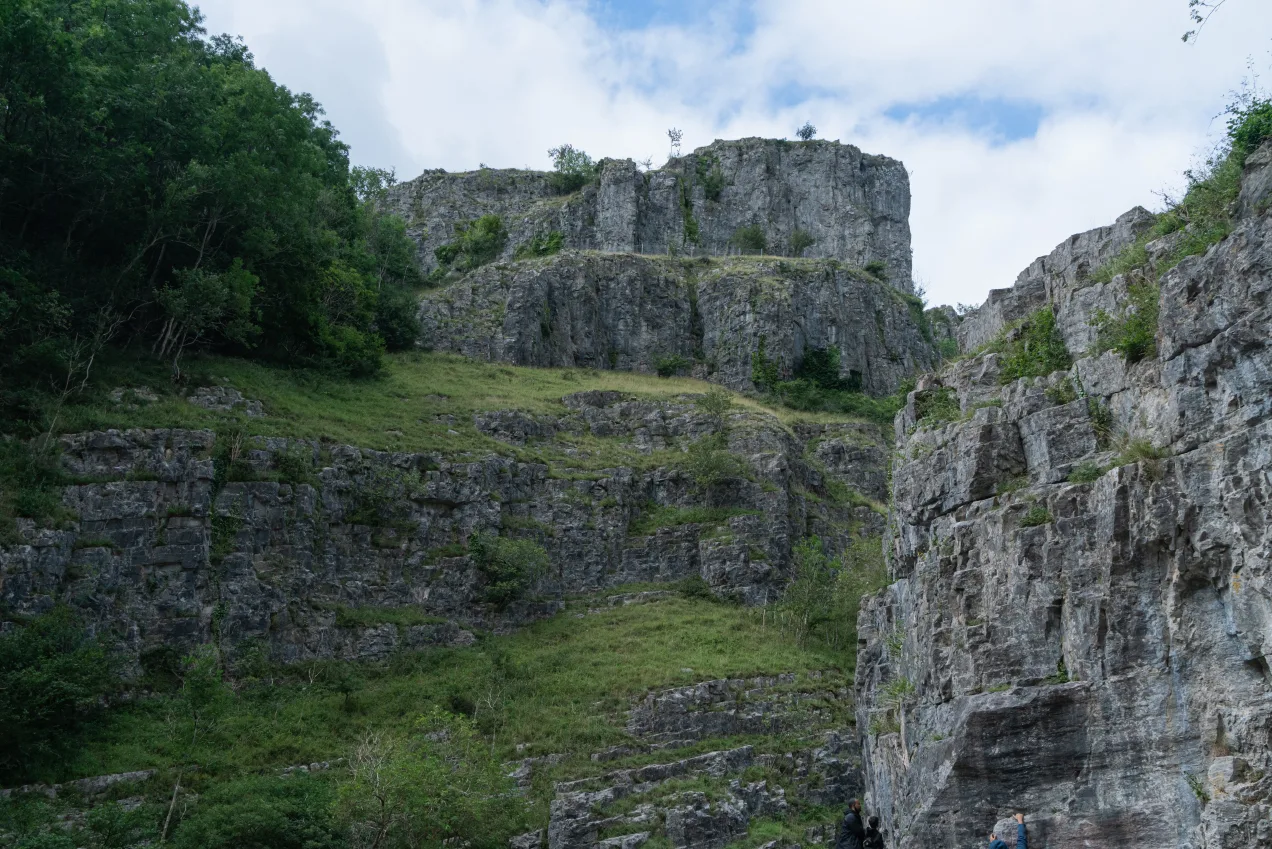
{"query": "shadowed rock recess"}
(1093, 653)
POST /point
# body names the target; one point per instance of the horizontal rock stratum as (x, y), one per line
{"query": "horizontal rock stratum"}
(855, 207)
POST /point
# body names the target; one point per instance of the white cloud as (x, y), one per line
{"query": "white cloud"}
(442, 83)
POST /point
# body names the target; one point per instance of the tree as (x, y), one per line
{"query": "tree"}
(53, 677)
(806, 132)
(157, 175)
(675, 136)
(801, 240)
(716, 404)
(573, 169)
(439, 783)
(203, 701)
(1200, 11)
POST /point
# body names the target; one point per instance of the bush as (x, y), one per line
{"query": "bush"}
(574, 169)
(476, 243)
(31, 484)
(751, 238)
(263, 812)
(1086, 472)
(877, 269)
(53, 677)
(716, 403)
(800, 241)
(764, 372)
(510, 566)
(809, 397)
(672, 364)
(1132, 331)
(933, 406)
(1038, 349)
(440, 784)
(821, 366)
(710, 463)
(540, 246)
(1035, 516)
(806, 132)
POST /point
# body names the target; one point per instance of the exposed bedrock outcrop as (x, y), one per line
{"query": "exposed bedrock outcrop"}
(853, 206)
(355, 553)
(621, 311)
(1094, 654)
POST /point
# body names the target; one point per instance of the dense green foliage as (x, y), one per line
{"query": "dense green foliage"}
(437, 784)
(263, 812)
(540, 246)
(801, 240)
(572, 169)
(510, 566)
(53, 676)
(751, 239)
(934, 406)
(822, 602)
(476, 243)
(821, 366)
(670, 365)
(1203, 215)
(158, 185)
(1036, 350)
(1132, 330)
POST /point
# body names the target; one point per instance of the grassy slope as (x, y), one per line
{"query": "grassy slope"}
(399, 411)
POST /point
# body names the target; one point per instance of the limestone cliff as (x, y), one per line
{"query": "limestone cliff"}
(318, 550)
(1081, 615)
(627, 312)
(853, 206)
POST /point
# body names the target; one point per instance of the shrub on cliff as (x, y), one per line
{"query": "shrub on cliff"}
(751, 239)
(1037, 350)
(573, 169)
(53, 676)
(510, 566)
(476, 243)
(1132, 329)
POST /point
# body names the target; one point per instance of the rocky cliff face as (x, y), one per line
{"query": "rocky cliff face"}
(324, 550)
(628, 312)
(1093, 653)
(853, 206)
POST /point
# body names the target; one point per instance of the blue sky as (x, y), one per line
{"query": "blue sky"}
(1020, 122)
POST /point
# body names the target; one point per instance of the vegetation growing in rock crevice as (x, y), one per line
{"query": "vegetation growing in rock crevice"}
(476, 243)
(1202, 217)
(1132, 330)
(540, 246)
(509, 566)
(1036, 350)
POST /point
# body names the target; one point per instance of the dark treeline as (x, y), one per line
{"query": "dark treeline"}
(159, 190)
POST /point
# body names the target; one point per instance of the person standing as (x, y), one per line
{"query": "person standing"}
(874, 837)
(852, 834)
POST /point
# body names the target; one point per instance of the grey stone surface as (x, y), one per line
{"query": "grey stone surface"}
(620, 311)
(855, 206)
(160, 556)
(1103, 670)
(1060, 278)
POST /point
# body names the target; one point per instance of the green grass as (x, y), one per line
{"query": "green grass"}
(403, 617)
(560, 685)
(398, 411)
(654, 517)
(1034, 349)
(1035, 516)
(935, 406)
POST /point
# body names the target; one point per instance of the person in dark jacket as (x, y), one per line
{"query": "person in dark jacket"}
(996, 843)
(851, 834)
(874, 837)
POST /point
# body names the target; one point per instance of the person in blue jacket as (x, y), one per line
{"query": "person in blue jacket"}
(996, 843)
